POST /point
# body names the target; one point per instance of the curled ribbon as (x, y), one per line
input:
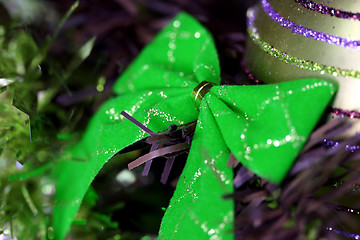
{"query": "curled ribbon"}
(263, 127)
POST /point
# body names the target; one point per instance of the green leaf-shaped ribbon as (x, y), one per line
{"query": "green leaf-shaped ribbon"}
(263, 126)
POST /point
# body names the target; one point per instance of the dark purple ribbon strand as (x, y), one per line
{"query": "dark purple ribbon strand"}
(158, 153)
(137, 123)
(157, 140)
(148, 163)
(165, 174)
(346, 234)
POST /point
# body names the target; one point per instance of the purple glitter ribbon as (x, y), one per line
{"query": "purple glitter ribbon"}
(344, 113)
(334, 144)
(323, 9)
(348, 235)
(308, 32)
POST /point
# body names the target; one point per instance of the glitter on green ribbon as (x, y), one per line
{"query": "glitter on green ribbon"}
(287, 58)
(263, 126)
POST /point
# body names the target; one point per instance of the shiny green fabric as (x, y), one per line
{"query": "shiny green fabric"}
(264, 127)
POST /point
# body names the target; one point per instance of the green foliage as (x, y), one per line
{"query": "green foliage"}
(33, 128)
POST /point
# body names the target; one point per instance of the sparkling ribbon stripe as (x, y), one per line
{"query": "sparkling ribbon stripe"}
(323, 9)
(287, 58)
(346, 234)
(308, 32)
(344, 113)
(334, 144)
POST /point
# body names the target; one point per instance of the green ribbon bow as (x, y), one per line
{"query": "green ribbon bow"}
(263, 126)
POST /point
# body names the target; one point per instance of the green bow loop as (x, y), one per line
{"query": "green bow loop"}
(183, 54)
(264, 127)
(108, 133)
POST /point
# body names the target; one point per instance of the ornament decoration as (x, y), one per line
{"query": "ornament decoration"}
(250, 75)
(323, 9)
(264, 127)
(294, 61)
(308, 32)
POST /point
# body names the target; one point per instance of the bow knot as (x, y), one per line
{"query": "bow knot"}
(200, 91)
(263, 126)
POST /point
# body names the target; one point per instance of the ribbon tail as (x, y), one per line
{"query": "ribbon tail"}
(108, 133)
(198, 210)
(79, 165)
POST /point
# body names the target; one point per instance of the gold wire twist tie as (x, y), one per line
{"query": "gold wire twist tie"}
(200, 91)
